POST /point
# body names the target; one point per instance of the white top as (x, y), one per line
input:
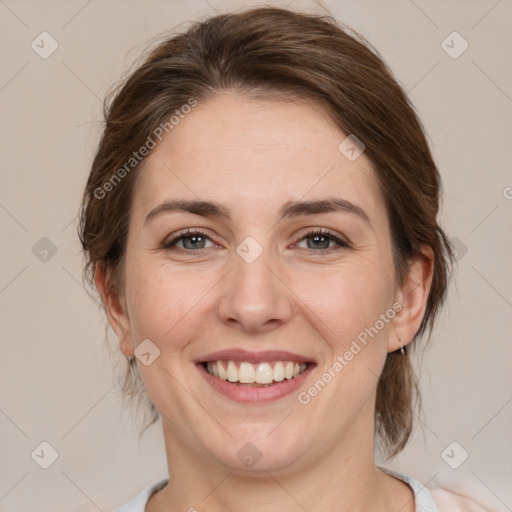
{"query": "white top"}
(423, 498)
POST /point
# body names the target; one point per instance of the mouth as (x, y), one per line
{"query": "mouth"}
(249, 377)
(264, 374)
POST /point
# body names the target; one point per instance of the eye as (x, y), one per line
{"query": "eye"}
(322, 239)
(318, 240)
(191, 240)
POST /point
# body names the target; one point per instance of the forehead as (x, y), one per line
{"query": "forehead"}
(253, 152)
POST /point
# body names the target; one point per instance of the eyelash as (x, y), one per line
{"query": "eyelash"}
(169, 245)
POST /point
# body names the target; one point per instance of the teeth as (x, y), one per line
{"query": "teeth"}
(279, 371)
(232, 372)
(220, 370)
(264, 374)
(288, 370)
(246, 373)
(261, 373)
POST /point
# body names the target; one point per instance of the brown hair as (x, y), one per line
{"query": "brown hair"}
(276, 53)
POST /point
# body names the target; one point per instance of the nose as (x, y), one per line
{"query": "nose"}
(254, 297)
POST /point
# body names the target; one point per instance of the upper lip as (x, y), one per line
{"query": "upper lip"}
(254, 357)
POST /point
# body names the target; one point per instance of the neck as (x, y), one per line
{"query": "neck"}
(343, 478)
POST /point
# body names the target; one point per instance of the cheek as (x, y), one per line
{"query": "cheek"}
(347, 300)
(163, 303)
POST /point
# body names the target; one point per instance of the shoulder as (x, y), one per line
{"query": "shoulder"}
(447, 493)
(138, 503)
(450, 501)
(423, 500)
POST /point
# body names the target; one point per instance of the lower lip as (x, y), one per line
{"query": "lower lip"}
(252, 395)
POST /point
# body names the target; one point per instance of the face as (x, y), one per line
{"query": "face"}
(288, 270)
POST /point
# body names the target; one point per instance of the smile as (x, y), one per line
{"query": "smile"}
(255, 377)
(260, 374)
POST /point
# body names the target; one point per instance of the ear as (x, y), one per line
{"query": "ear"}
(115, 307)
(412, 296)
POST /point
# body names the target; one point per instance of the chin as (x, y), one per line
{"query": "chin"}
(257, 452)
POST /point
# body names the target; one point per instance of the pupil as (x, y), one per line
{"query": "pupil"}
(316, 238)
(193, 239)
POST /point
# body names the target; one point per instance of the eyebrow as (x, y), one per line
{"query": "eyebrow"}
(289, 209)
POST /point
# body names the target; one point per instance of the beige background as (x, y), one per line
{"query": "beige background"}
(57, 382)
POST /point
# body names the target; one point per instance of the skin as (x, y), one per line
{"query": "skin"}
(253, 156)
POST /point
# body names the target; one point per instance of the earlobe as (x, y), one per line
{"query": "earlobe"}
(115, 307)
(412, 295)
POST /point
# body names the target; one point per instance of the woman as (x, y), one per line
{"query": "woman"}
(260, 222)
